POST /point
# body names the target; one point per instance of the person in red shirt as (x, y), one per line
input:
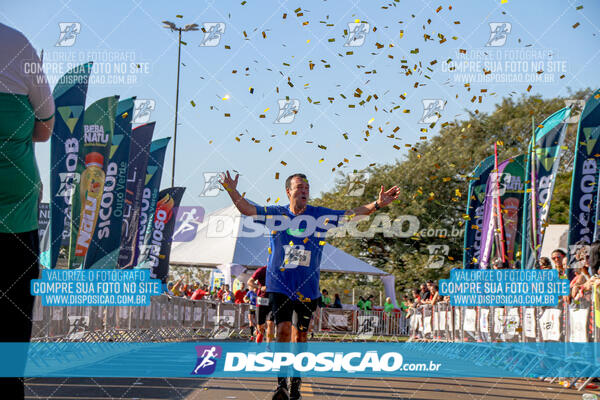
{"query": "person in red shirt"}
(239, 295)
(220, 293)
(200, 293)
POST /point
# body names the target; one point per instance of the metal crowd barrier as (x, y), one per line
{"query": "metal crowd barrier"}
(574, 322)
(362, 323)
(174, 318)
(165, 319)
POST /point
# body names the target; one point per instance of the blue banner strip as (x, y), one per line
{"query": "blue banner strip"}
(323, 359)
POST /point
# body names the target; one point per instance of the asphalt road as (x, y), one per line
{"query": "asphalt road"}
(312, 389)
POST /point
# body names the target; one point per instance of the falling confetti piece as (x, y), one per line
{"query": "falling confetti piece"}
(192, 103)
(179, 16)
(576, 25)
(125, 114)
(226, 97)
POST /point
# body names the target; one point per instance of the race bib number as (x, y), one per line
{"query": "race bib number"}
(262, 301)
(296, 256)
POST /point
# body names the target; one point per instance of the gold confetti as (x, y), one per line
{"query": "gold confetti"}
(192, 103)
(576, 25)
(283, 163)
(226, 97)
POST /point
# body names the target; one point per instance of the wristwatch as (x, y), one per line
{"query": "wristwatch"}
(377, 206)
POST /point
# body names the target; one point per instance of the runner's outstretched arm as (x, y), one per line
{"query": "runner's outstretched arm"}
(385, 197)
(239, 202)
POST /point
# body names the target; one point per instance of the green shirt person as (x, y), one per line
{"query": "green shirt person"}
(368, 305)
(361, 303)
(325, 299)
(388, 307)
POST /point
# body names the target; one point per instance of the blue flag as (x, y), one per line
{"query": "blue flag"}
(546, 152)
(584, 185)
(69, 97)
(139, 150)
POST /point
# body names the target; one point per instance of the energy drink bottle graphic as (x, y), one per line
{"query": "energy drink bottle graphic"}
(92, 188)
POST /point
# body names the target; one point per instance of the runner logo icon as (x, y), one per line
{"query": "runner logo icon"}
(207, 359)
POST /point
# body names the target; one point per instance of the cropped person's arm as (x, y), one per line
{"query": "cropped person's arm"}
(239, 202)
(42, 130)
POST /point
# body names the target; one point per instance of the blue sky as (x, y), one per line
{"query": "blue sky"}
(540, 37)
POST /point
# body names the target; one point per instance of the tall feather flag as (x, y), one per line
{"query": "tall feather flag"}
(94, 150)
(542, 166)
(584, 185)
(502, 207)
(69, 97)
(474, 212)
(104, 247)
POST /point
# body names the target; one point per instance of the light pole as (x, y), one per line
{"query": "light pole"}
(173, 27)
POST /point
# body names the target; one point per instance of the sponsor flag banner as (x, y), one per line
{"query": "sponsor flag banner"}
(94, 150)
(544, 154)
(474, 213)
(154, 169)
(512, 187)
(139, 150)
(584, 185)
(509, 188)
(69, 97)
(104, 247)
(490, 229)
(155, 254)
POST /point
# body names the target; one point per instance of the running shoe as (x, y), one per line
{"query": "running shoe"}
(281, 394)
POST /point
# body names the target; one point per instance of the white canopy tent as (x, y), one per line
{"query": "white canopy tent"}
(227, 237)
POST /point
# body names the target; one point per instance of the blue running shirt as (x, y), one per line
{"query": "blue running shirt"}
(295, 248)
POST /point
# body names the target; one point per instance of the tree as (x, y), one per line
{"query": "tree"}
(433, 177)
